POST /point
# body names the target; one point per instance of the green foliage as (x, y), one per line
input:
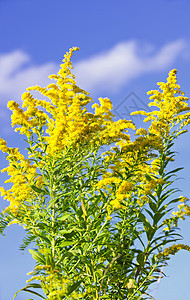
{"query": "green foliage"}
(99, 223)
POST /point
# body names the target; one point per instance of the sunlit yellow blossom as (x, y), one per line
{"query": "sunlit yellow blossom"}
(115, 203)
(174, 249)
(169, 106)
(141, 131)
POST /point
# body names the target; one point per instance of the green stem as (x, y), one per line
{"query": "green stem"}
(142, 283)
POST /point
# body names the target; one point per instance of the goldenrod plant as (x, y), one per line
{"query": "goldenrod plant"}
(101, 226)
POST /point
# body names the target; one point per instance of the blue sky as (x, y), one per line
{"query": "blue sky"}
(126, 47)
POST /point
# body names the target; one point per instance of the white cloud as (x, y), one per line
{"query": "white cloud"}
(112, 69)
(107, 71)
(17, 73)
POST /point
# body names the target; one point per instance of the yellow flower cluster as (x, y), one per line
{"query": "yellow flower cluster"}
(173, 250)
(170, 103)
(169, 108)
(134, 154)
(155, 164)
(59, 121)
(141, 131)
(184, 209)
(123, 189)
(64, 114)
(150, 185)
(27, 120)
(22, 174)
(54, 284)
(107, 181)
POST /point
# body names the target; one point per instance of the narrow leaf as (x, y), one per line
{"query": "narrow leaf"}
(29, 291)
(73, 287)
(64, 216)
(37, 256)
(37, 190)
(66, 243)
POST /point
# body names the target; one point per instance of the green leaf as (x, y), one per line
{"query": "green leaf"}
(147, 227)
(158, 216)
(52, 202)
(38, 256)
(65, 231)
(103, 195)
(152, 197)
(68, 254)
(120, 175)
(46, 191)
(64, 217)
(28, 239)
(150, 214)
(174, 171)
(167, 194)
(4, 222)
(148, 177)
(157, 239)
(66, 178)
(50, 261)
(43, 226)
(66, 243)
(44, 238)
(37, 190)
(29, 291)
(34, 285)
(162, 243)
(174, 200)
(153, 206)
(140, 259)
(73, 287)
(138, 237)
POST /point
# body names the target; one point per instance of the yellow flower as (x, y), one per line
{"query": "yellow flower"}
(141, 131)
(169, 106)
(115, 203)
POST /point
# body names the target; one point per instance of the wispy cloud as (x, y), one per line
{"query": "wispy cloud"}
(17, 73)
(112, 69)
(106, 71)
